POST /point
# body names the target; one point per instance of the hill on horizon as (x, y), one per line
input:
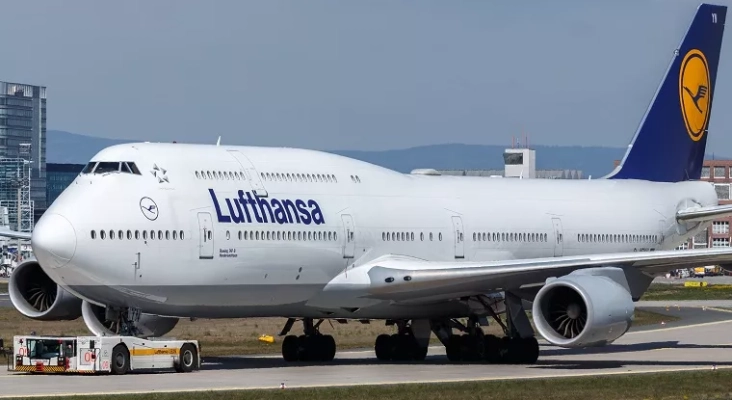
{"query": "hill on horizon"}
(67, 147)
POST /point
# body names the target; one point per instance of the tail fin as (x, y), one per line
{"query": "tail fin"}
(670, 142)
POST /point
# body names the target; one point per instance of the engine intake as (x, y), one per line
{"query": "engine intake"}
(96, 320)
(584, 308)
(36, 296)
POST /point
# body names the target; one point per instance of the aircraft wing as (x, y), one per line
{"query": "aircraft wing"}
(15, 235)
(401, 278)
(696, 214)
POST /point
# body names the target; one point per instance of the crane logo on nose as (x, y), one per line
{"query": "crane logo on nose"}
(149, 208)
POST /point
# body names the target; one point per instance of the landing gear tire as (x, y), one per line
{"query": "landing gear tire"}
(382, 347)
(530, 351)
(492, 349)
(399, 348)
(290, 348)
(452, 349)
(308, 348)
(120, 360)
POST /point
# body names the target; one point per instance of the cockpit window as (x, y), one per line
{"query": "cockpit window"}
(104, 167)
(89, 168)
(133, 168)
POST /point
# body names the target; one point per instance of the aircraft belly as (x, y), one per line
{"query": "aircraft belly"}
(227, 301)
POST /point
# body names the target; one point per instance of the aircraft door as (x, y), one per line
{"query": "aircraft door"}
(457, 225)
(205, 235)
(252, 175)
(558, 237)
(349, 242)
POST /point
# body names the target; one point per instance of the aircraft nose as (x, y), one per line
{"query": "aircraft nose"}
(53, 241)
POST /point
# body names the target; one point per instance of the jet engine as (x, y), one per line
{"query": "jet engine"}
(584, 308)
(38, 297)
(100, 323)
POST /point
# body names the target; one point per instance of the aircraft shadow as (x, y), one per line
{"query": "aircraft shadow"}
(545, 359)
(622, 348)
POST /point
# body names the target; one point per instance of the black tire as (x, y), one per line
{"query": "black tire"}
(120, 360)
(304, 348)
(328, 349)
(382, 347)
(188, 358)
(453, 348)
(290, 348)
(492, 345)
(420, 353)
(531, 350)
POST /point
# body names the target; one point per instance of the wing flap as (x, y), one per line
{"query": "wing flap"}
(401, 278)
(696, 214)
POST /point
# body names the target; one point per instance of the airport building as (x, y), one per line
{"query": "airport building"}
(517, 163)
(59, 177)
(22, 152)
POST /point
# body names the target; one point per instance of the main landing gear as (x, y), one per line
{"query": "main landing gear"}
(311, 346)
(474, 346)
(519, 346)
(404, 345)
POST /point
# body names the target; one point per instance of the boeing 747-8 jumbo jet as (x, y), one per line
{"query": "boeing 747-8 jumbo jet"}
(149, 233)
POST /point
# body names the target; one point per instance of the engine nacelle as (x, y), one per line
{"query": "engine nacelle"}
(95, 318)
(583, 309)
(36, 296)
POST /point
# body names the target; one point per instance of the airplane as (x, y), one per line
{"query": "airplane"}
(150, 233)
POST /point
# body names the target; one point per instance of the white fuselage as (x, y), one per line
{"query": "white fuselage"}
(329, 213)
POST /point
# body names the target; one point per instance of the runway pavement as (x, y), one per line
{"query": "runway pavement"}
(703, 343)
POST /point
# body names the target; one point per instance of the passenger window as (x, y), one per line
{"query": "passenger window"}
(129, 235)
(439, 236)
(137, 235)
(144, 235)
(175, 235)
(228, 235)
(102, 234)
(93, 235)
(181, 235)
(198, 175)
(421, 236)
(209, 234)
(111, 234)
(167, 235)
(120, 235)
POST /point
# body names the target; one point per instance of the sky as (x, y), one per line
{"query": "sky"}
(339, 74)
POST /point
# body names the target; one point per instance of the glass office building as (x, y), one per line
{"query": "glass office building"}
(23, 138)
